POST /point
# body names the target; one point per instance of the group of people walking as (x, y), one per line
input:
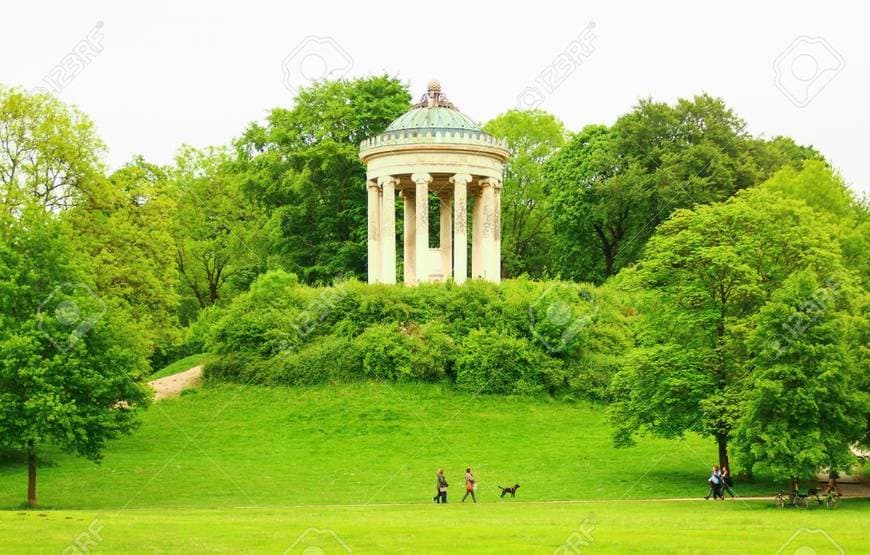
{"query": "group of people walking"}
(720, 482)
(441, 487)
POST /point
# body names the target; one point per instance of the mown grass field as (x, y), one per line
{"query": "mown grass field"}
(522, 527)
(233, 468)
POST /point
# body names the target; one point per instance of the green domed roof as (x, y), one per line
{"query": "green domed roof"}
(435, 117)
(433, 120)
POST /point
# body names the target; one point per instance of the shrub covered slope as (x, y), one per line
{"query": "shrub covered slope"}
(520, 337)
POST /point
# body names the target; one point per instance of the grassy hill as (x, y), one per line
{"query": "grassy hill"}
(254, 469)
(379, 443)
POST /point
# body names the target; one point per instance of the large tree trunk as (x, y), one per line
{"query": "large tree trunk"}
(723, 452)
(212, 293)
(31, 478)
(609, 258)
(609, 248)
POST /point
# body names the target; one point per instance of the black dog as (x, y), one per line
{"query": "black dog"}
(512, 491)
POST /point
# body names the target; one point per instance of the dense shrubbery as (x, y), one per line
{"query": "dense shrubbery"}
(495, 362)
(520, 337)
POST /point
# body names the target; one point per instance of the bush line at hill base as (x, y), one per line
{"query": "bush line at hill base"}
(521, 337)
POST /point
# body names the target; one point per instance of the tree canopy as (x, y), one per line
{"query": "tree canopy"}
(303, 168)
(533, 136)
(702, 289)
(804, 408)
(48, 151)
(610, 187)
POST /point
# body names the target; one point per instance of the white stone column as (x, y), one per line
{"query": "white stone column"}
(374, 213)
(388, 228)
(460, 221)
(410, 236)
(497, 230)
(477, 235)
(491, 260)
(445, 240)
(421, 243)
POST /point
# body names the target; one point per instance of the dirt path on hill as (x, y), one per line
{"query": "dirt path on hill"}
(171, 386)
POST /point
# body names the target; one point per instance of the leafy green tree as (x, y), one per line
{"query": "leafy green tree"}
(69, 362)
(48, 151)
(818, 186)
(824, 190)
(611, 187)
(821, 188)
(780, 152)
(128, 235)
(303, 167)
(597, 207)
(216, 227)
(704, 276)
(805, 408)
(50, 154)
(532, 137)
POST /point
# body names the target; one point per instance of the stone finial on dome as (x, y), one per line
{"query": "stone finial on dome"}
(434, 97)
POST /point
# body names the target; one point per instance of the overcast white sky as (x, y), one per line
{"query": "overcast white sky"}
(159, 74)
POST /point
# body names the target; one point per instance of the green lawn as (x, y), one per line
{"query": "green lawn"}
(179, 365)
(506, 527)
(230, 446)
(230, 468)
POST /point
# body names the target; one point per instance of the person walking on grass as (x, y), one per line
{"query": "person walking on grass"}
(440, 487)
(469, 485)
(726, 484)
(715, 481)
